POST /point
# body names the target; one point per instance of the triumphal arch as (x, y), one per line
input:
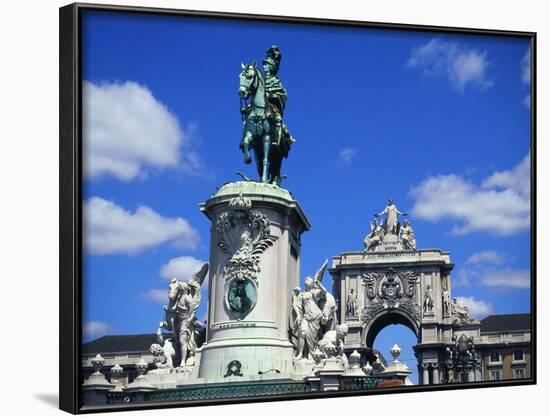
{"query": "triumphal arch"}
(392, 281)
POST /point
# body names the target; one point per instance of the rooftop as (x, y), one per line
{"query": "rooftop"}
(506, 322)
(120, 344)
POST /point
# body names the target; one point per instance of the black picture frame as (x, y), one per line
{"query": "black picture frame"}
(70, 203)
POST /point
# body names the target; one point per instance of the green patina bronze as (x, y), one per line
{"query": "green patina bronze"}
(241, 296)
(263, 100)
(221, 391)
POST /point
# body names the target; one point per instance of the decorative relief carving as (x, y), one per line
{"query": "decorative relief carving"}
(369, 281)
(244, 234)
(410, 278)
(412, 308)
(390, 290)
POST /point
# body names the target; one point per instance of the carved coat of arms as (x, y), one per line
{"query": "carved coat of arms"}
(390, 290)
(243, 234)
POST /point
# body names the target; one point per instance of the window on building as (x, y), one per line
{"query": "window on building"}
(518, 355)
(495, 356)
(519, 373)
(496, 375)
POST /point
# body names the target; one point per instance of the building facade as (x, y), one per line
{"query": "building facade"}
(505, 347)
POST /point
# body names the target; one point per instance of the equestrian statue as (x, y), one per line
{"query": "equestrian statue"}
(263, 100)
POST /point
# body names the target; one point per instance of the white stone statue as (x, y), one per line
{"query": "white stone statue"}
(351, 304)
(446, 303)
(428, 300)
(163, 351)
(335, 338)
(375, 237)
(184, 299)
(313, 313)
(461, 314)
(407, 236)
(391, 223)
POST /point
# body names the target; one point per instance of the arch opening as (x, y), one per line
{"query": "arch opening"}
(406, 339)
(389, 328)
(378, 323)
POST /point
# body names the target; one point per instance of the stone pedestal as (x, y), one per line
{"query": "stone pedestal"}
(139, 386)
(254, 266)
(328, 377)
(95, 390)
(96, 387)
(397, 370)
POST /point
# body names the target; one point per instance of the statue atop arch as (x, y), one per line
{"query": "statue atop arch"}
(387, 232)
(391, 224)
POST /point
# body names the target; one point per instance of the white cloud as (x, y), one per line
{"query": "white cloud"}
(507, 278)
(182, 268)
(463, 277)
(127, 131)
(500, 205)
(517, 179)
(347, 154)
(478, 308)
(527, 101)
(110, 229)
(489, 256)
(525, 65)
(156, 295)
(96, 328)
(484, 275)
(461, 65)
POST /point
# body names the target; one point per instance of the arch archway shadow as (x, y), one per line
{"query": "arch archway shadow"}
(385, 318)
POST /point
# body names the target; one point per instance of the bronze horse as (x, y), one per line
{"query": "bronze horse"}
(259, 127)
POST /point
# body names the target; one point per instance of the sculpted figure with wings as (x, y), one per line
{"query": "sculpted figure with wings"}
(313, 313)
(180, 315)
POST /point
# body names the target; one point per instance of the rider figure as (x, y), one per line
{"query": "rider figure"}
(276, 96)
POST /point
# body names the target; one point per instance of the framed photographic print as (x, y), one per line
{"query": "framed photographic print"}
(259, 208)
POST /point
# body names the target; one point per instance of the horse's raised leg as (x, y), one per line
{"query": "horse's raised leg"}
(246, 147)
(265, 167)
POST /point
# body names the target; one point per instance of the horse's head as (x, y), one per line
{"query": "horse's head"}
(175, 289)
(247, 80)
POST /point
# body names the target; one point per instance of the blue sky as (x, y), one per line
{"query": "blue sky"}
(439, 122)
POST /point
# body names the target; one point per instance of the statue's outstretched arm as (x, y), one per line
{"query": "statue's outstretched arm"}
(160, 338)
